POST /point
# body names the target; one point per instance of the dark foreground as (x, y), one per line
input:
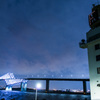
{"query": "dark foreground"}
(17, 95)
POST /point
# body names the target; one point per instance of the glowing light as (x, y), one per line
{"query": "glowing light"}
(8, 88)
(24, 85)
(38, 86)
(10, 79)
(54, 89)
(13, 81)
(8, 76)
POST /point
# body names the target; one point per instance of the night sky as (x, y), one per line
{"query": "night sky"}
(40, 38)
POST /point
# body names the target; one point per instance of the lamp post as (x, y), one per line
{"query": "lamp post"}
(38, 86)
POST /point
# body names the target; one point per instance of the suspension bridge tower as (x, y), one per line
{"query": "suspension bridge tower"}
(92, 43)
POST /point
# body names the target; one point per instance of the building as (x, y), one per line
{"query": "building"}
(92, 43)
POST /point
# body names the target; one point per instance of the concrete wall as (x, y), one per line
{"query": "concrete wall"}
(93, 64)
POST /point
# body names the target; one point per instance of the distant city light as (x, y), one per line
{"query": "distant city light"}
(54, 89)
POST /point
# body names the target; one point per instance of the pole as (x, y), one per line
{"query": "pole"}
(84, 87)
(47, 85)
(36, 95)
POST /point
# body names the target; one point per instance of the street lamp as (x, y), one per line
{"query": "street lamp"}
(38, 86)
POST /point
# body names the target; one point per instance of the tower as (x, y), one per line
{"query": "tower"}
(92, 43)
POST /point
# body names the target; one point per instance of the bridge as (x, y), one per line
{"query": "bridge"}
(11, 80)
(63, 79)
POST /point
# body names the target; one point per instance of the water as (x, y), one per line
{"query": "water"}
(8, 95)
(18, 95)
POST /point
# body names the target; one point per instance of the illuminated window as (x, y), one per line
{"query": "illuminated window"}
(97, 46)
(98, 58)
